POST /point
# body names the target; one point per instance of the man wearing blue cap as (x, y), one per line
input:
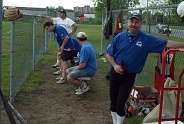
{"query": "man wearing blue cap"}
(127, 54)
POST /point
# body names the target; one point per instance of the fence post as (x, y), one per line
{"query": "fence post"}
(12, 54)
(34, 40)
(102, 50)
(46, 33)
(1, 13)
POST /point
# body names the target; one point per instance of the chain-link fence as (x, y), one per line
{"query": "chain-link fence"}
(153, 20)
(24, 43)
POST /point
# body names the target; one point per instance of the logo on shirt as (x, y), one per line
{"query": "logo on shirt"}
(139, 43)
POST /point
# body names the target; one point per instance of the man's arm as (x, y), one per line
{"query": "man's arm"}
(116, 67)
(65, 40)
(80, 66)
(73, 29)
(174, 44)
(111, 60)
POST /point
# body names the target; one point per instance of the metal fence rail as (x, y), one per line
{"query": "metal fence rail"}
(1, 5)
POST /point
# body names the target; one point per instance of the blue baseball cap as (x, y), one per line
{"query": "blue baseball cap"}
(136, 15)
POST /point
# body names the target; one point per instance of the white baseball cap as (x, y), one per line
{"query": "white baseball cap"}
(81, 35)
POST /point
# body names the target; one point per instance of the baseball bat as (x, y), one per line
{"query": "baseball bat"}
(7, 108)
(17, 114)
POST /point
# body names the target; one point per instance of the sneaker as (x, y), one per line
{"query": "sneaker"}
(57, 72)
(59, 77)
(56, 65)
(76, 89)
(61, 81)
(82, 90)
(58, 68)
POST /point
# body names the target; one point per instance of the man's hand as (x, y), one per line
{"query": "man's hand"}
(118, 69)
(59, 53)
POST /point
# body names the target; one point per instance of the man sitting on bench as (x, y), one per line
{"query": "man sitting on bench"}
(87, 65)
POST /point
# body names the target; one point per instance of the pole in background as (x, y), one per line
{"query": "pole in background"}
(12, 63)
(1, 15)
(108, 5)
(147, 16)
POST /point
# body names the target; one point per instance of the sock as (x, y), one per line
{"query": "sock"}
(114, 117)
(83, 85)
(58, 62)
(120, 119)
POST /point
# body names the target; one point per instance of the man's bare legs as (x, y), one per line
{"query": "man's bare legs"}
(58, 56)
(64, 65)
(58, 64)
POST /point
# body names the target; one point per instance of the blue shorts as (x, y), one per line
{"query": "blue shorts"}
(78, 73)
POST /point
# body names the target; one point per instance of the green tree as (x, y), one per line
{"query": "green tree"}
(59, 8)
(101, 6)
(99, 9)
(174, 1)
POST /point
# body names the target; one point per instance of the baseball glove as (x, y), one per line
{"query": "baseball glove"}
(12, 14)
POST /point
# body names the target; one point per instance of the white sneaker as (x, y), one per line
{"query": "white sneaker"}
(59, 77)
(76, 89)
(58, 68)
(56, 65)
(61, 81)
(57, 72)
(82, 91)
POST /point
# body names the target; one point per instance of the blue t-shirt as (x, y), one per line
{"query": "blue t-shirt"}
(93, 48)
(60, 33)
(77, 45)
(134, 51)
(88, 56)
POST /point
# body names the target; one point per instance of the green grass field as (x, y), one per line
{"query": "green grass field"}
(23, 46)
(6, 28)
(94, 35)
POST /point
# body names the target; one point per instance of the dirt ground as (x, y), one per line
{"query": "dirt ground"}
(57, 103)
